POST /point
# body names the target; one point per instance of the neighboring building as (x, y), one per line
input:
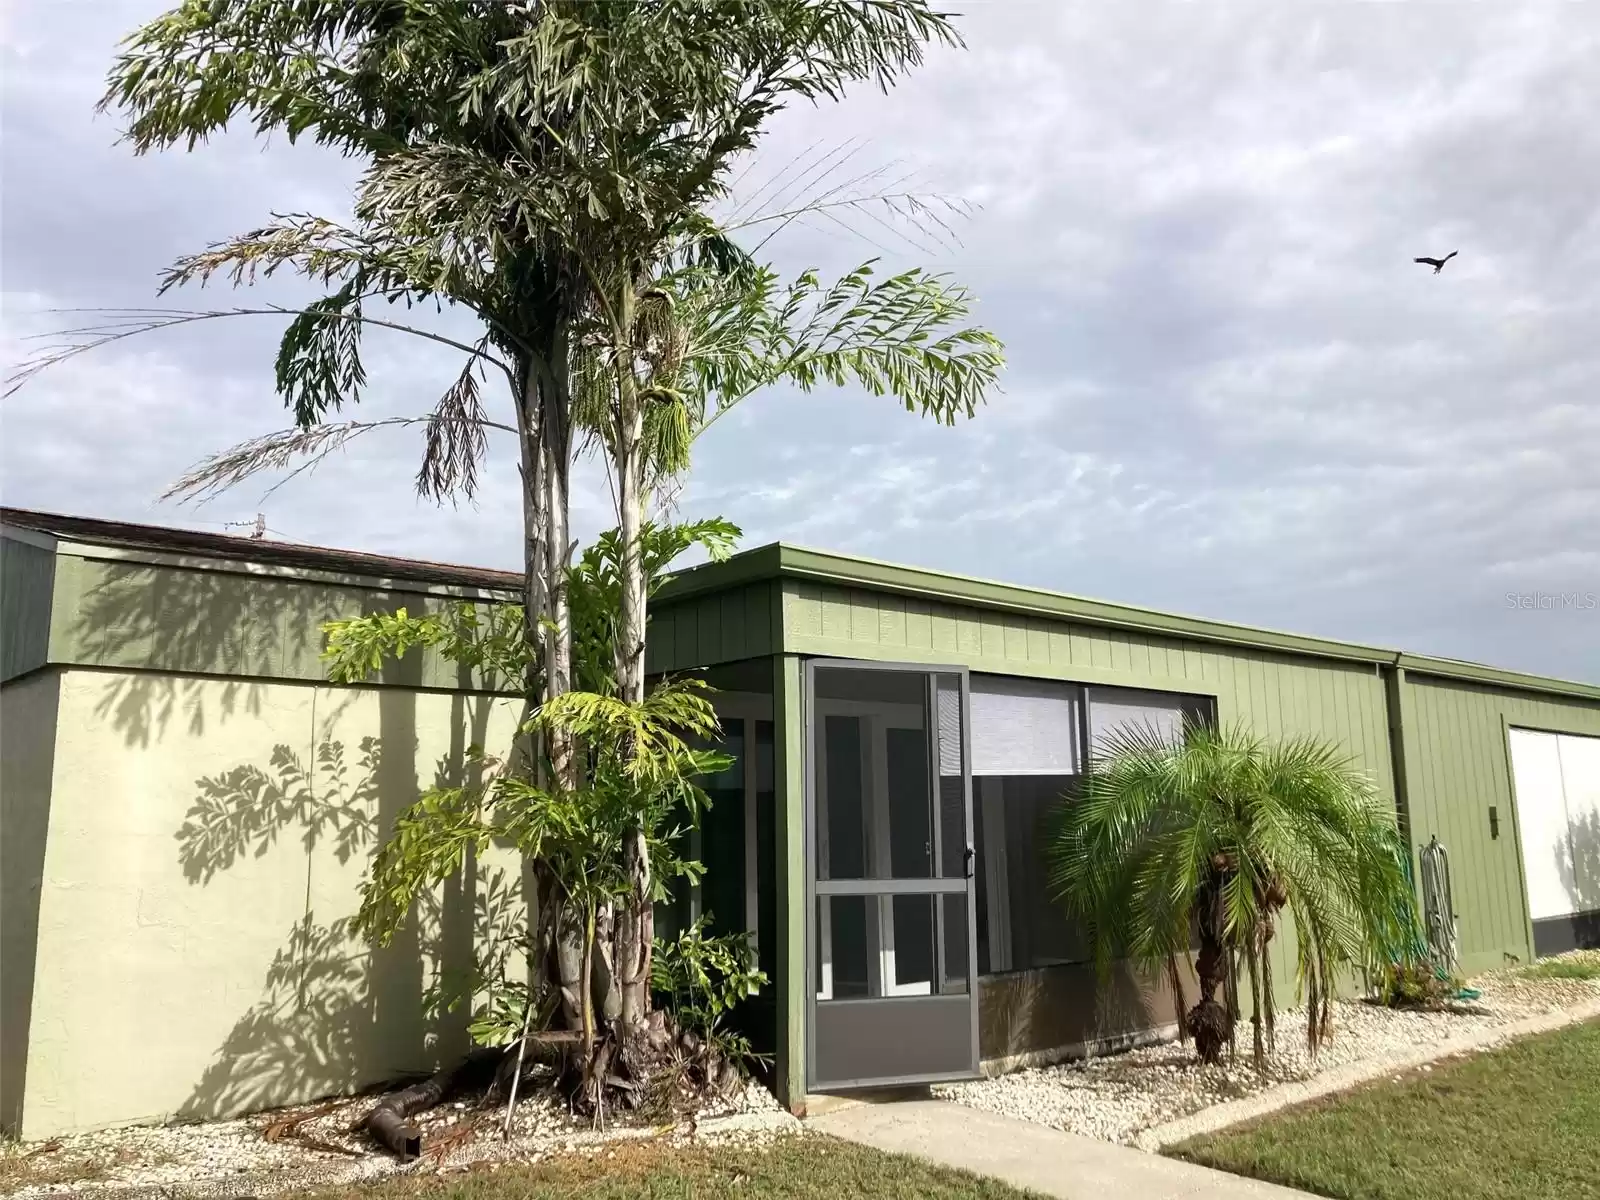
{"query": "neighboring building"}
(187, 808)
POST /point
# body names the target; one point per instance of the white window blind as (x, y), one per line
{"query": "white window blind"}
(1542, 817)
(949, 723)
(1124, 709)
(1024, 726)
(1557, 778)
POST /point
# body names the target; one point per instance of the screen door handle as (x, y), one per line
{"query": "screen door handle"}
(971, 860)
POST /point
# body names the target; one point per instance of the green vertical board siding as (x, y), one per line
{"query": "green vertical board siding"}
(1277, 695)
(27, 581)
(710, 628)
(1456, 762)
(789, 827)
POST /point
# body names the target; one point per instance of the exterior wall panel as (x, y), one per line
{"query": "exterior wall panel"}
(27, 583)
(712, 627)
(1033, 1016)
(198, 880)
(1458, 767)
(1274, 694)
(27, 767)
(131, 615)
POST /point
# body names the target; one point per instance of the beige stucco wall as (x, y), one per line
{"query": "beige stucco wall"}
(206, 842)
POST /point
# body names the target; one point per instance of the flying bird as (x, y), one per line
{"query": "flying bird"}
(1437, 263)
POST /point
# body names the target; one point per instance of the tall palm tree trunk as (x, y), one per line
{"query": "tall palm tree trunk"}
(1210, 1020)
(636, 932)
(545, 438)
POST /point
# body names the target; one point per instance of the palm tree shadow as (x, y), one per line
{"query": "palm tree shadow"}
(212, 635)
(336, 1015)
(1578, 862)
(243, 811)
(185, 650)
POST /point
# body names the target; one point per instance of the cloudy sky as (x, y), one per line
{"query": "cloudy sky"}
(1230, 392)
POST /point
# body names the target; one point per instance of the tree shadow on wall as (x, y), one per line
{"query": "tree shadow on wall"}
(242, 811)
(335, 1014)
(189, 649)
(198, 636)
(1578, 861)
(325, 1021)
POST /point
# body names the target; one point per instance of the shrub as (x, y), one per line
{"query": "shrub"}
(1414, 985)
(703, 978)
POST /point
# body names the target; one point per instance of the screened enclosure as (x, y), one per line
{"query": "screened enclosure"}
(931, 798)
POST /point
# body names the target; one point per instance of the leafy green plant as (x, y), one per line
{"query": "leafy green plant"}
(641, 763)
(1216, 835)
(702, 979)
(594, 588)
(550, 170)
(1413, 985)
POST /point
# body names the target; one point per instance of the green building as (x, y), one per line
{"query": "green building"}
(187, 807)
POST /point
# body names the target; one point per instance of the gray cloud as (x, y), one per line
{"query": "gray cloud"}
(1230, 391)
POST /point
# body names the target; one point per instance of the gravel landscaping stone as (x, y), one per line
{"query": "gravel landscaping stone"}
(257, 1156)
(1116, 1097)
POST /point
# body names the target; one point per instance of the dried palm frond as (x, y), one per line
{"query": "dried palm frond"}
(454, 442)
(303, 449)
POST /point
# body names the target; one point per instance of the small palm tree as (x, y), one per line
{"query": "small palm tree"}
(1212, 838)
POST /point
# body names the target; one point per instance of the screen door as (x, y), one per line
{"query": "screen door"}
(891, 906)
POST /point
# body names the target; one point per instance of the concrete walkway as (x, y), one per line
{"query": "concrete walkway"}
(1033, 1156)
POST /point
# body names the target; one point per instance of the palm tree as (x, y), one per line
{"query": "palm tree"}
(554, 169)
(1210, 840)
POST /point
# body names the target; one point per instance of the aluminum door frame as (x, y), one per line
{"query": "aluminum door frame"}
(885, 887)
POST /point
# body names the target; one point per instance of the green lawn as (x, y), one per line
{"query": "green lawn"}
(1521, 1121)
(1586, 967)
(809, 1166)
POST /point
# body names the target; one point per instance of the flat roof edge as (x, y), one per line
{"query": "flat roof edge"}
(173, 546)
(1471, 672)
(782, 560)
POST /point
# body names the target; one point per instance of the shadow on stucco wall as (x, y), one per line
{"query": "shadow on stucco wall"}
(191, 649)
(334, 1013)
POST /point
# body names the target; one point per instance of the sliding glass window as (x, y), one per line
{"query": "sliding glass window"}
(1030, 740)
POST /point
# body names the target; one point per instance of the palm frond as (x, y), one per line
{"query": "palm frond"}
(1158, 824)
(296, 451)
(454, 441)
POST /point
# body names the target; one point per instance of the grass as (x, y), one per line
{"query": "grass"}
(1519, 1121)
(810, 1166)
(1586, 969)
(49, 1164)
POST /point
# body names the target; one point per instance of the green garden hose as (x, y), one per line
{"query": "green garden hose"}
(1438, 907)
(1438, 946)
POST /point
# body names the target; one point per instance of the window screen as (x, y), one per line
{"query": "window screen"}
(1020, 926)
(1027, 754)
(1125, 710)
(1025, 726)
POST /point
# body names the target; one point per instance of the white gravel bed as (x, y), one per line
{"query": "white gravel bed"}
(1116, 1097)
(243, 1157)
